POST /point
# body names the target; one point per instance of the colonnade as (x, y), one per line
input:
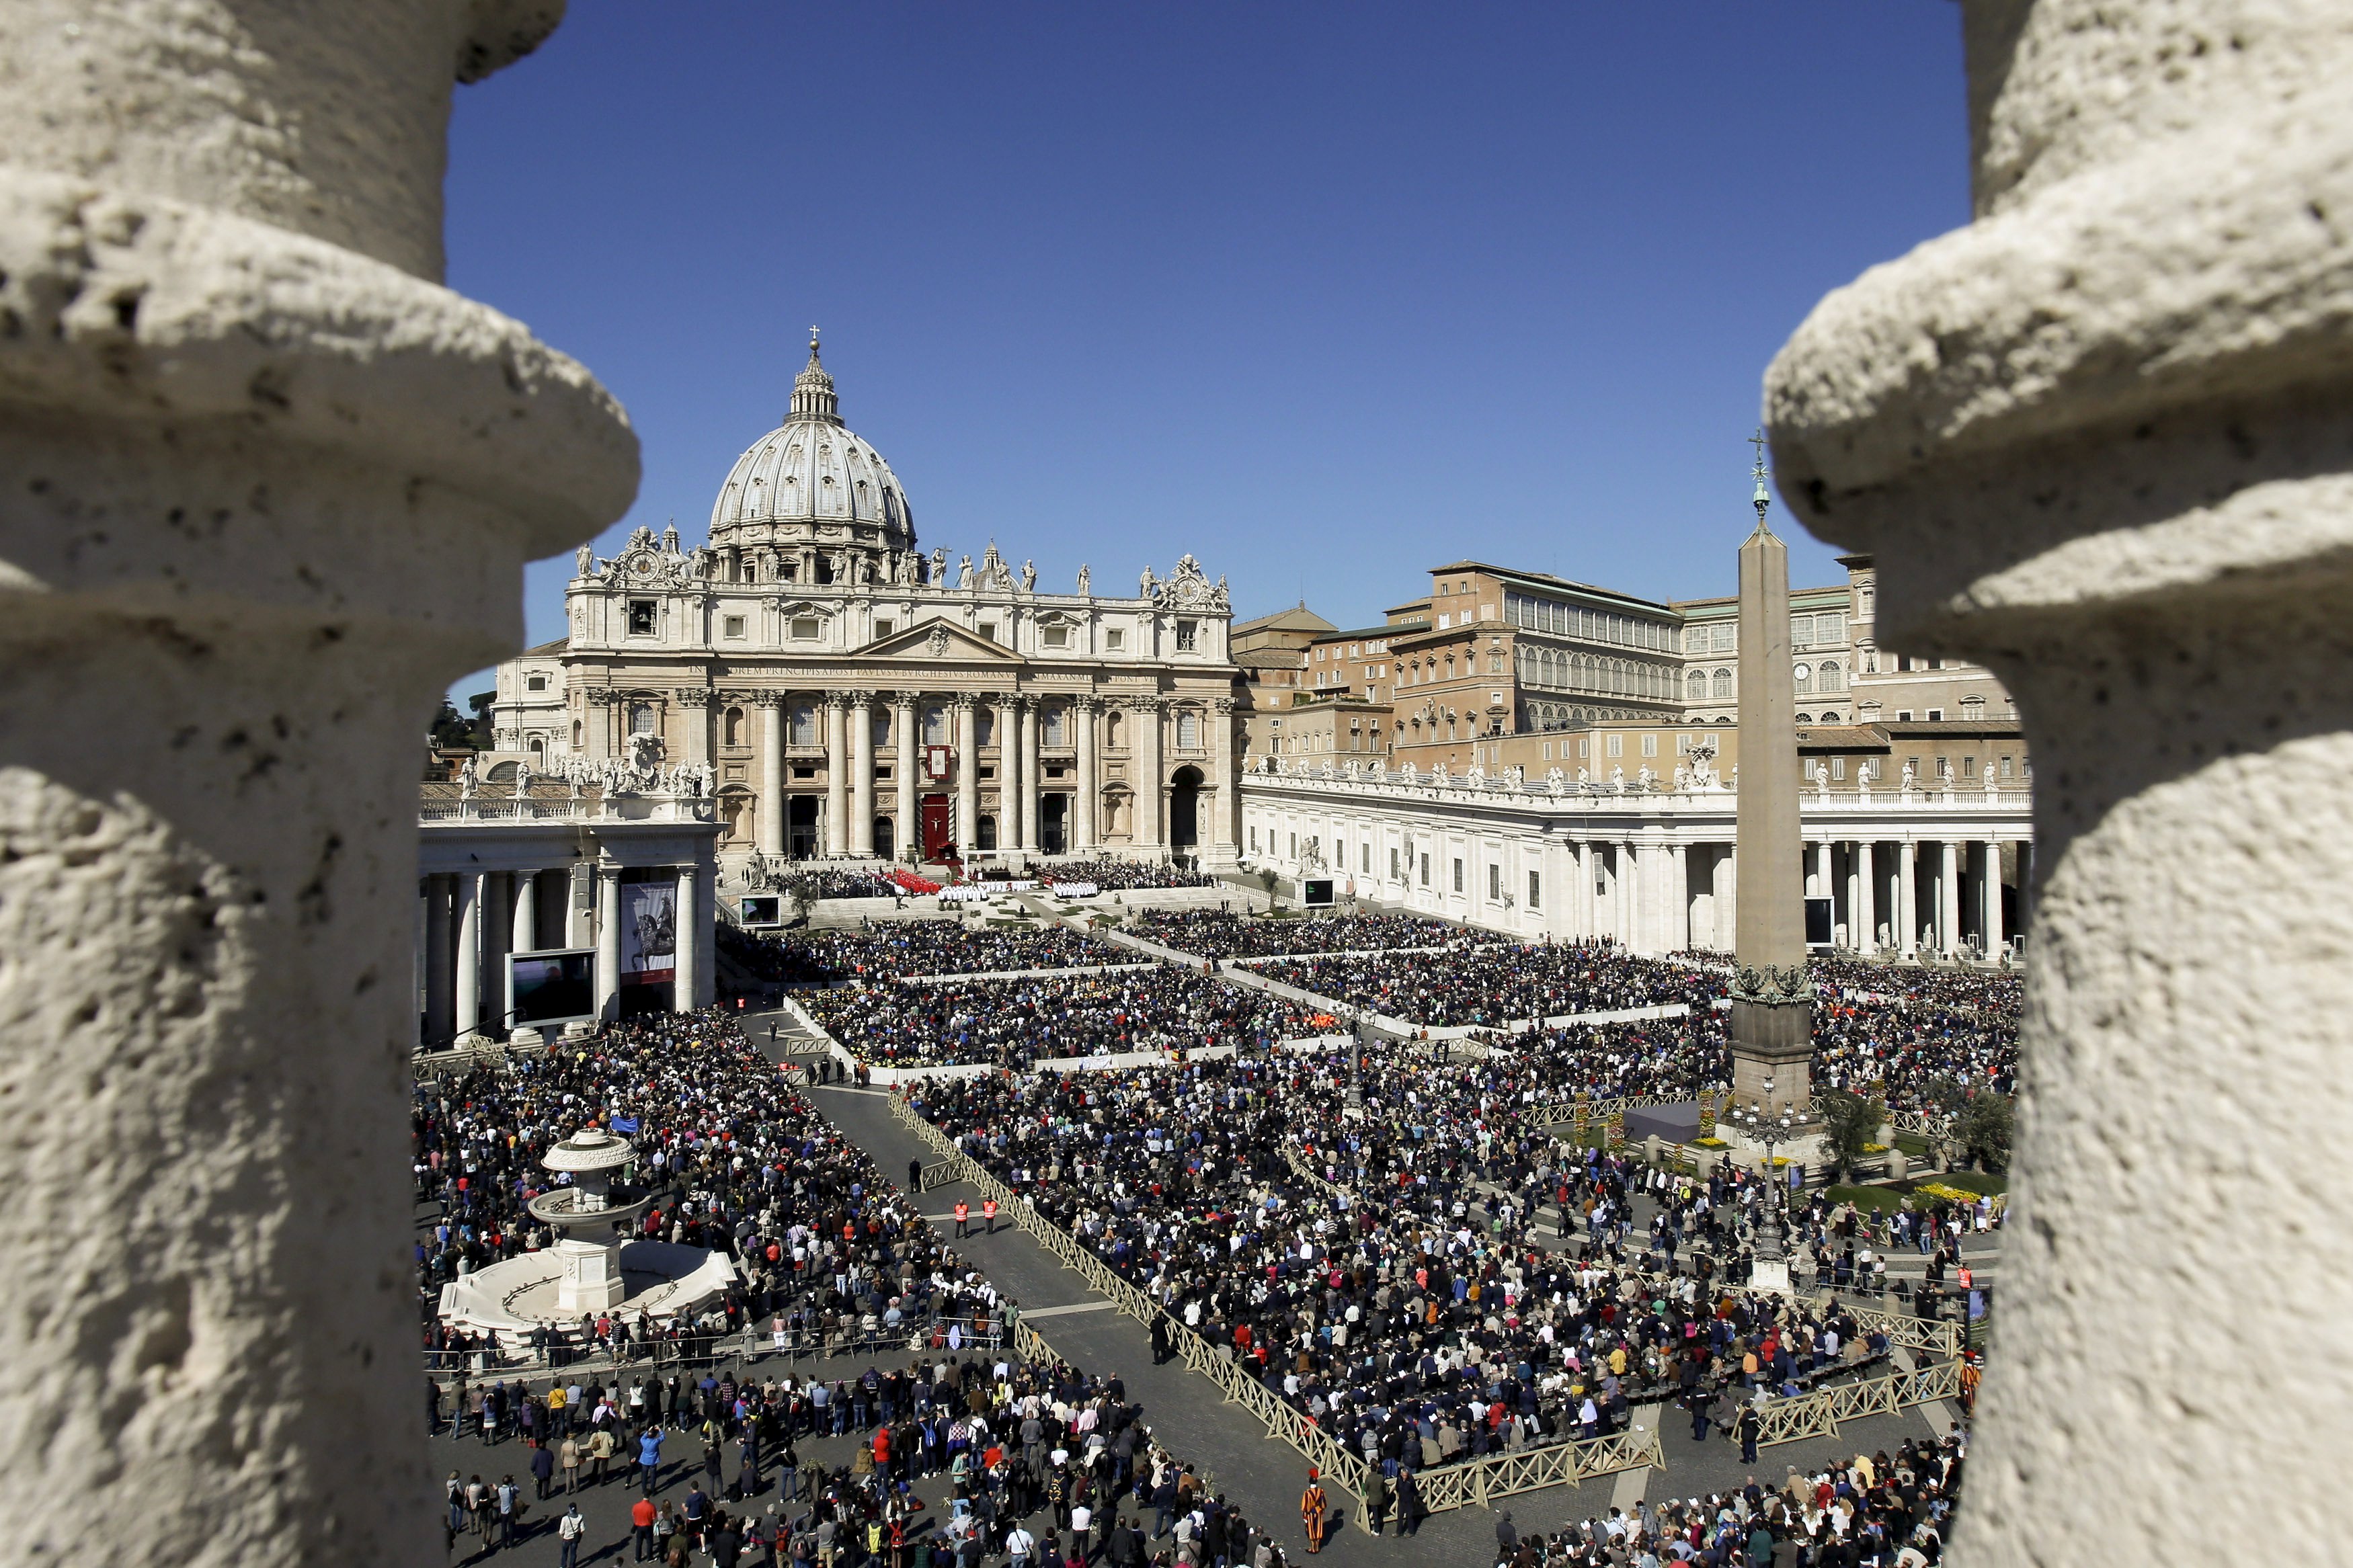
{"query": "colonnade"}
(1659, 874)
(472, 922)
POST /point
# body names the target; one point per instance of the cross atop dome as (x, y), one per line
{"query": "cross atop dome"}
(813, 395)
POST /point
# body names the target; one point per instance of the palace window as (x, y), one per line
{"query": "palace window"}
(535, 683)
(1425, 871)
(1058, 637)
(641, 718)
(1457, 874)
(1188, 633)
(1055, 728)
(935, 726)
(733, 626)
(1535, 890)
(803, 718)
(1495, 884)
(644, 615)
(1114, 639)
(884, 629)
(1189, 727)
(988, 630)
(804, 629)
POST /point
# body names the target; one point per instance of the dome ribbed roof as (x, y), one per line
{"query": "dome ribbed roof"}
(812, 469)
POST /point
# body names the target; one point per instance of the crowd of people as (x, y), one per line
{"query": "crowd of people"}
(1391, 1276)
(1113, 876)
(874, 950)
(1225, 933)
(826, 1251)
(1495, 984)
(1032, 1461)
(1889, 1510)
(1016, 1023)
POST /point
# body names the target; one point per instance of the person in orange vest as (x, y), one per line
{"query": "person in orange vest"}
(963, 1215)
(988, 1216)
(1311, 1508)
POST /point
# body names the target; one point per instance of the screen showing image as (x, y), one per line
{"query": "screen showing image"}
(554, 987)
(1316, 892)
(649, 931)
(764, 909)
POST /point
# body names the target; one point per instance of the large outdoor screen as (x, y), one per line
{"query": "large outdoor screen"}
(763, 910)
(1315, 893)
(553, 987)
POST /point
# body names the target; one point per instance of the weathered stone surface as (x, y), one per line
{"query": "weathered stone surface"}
(2103, 440)
(267, 489)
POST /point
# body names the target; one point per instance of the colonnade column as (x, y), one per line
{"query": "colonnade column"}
(440, 1003)
(1992, 890)
(967, 767)
(467, 1015)
(525, 921)
(1082, 809)
(1581, 915)
(579, 906)
(837, 773)
(1948, 897)
(1223, 814)
(1827, 890)
(687, 951)
(861, 774)
(609, 942)
(1027, 714)
(905, 723)
(496, 933)
(1150, 830)
(1864, 938)
(1907, 898)
(768, 815)
(1678, 906)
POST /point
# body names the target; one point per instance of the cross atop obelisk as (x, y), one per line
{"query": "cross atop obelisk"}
(1772, 1005)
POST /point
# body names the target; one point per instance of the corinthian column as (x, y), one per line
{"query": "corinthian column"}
(862, 773)
(1028, 710)
(1151, 787)
(1082, 809)
(906, 727)
(837, 772)
(1224, 782)
(2098, 440)
(768, 811)
(270, 488)
(967, 774)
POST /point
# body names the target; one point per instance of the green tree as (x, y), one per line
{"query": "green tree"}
(1272, 880)
(1985, 1128)
(803, 893)
(1849, 1122)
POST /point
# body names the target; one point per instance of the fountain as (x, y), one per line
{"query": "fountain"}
(593, 1268)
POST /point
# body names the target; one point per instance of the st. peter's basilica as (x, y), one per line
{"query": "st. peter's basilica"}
(843, 694)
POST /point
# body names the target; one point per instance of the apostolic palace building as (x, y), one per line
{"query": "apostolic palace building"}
(841, 693)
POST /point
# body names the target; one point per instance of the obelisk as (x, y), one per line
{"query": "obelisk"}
(1772, 1003)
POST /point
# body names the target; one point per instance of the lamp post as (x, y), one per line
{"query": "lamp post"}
(1772, 1267)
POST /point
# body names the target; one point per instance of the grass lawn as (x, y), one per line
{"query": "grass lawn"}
(1886, 1200)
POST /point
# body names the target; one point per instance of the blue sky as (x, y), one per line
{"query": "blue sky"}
(1324, 294)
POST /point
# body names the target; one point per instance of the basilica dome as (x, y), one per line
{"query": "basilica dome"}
(813, 470)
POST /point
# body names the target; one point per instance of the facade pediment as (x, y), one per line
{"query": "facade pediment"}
(936, 639)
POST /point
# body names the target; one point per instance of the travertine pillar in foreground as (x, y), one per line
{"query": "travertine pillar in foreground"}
(2101, 439)
(268, 487)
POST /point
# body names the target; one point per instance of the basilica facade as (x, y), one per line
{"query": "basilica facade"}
(843, 695)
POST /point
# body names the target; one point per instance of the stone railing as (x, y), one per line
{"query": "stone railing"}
(1658, 795)
(1442, 1488)
(491, 808)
